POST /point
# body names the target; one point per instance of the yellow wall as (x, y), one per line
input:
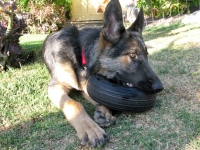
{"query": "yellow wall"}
(85, 10)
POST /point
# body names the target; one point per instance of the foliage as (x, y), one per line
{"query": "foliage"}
(158, 8)
(196, 2)
(45, 16)
(65, 3)
(11, 27)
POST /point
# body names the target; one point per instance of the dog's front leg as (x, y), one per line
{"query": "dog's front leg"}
(88, 131)
(103, 116)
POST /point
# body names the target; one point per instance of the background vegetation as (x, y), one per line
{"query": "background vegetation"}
(165, 8)
(45, 16)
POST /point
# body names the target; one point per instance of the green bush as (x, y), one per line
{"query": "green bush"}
(45, 16)
(164, 8)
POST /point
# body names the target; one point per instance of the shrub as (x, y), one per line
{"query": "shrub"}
(45, 16)
(11, 27)
(164, 8)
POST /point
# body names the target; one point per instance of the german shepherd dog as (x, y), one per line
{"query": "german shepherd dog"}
(113, 52)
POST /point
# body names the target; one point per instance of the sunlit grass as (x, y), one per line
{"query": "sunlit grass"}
(181, 37)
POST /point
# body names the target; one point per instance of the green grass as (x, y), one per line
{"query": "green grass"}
(28, 120)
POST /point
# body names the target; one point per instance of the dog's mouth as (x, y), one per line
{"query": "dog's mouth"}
(131, 85)
(121, 83)
(128, 84)
(145, 87)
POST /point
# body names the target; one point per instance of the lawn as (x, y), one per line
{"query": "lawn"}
(28, 119)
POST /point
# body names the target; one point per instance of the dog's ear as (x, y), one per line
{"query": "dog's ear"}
(113, 22)
(139, 22)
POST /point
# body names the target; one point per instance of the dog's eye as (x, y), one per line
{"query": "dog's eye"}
(132, 55)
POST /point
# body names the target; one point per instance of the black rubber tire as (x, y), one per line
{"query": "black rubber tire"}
(118, 97)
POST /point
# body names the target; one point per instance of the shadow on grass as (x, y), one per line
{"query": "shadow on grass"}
(49, 130)
(31, 53)
(46, 132)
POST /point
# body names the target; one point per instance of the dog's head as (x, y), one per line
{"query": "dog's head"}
(123, 56)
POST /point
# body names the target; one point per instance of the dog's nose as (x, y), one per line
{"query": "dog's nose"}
(150, 86)
(157, 87)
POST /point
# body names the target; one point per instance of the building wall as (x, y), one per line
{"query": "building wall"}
(85, 10)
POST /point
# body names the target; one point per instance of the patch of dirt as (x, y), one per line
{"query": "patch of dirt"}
(163, 21)
(86, 24)
(186, 18)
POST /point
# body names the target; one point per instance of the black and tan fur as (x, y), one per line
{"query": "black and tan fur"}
(115, 52)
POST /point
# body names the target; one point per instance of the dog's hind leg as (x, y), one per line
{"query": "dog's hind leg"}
(62, 82)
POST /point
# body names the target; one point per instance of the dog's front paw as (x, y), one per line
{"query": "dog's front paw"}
(90, 134)
(103, 117)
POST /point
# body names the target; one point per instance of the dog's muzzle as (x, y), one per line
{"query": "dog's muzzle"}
(150, 86)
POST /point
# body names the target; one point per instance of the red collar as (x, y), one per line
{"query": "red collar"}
(84, 61)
